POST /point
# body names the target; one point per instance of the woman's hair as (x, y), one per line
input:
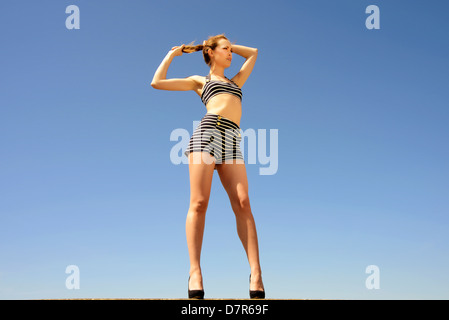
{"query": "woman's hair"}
(210, 43)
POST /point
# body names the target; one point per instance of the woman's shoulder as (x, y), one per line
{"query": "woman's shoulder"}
(200, 81)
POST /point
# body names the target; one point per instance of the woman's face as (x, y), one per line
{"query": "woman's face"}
(222, 54)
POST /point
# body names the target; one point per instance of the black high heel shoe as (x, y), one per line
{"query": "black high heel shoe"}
(256, 294)
(195, 294)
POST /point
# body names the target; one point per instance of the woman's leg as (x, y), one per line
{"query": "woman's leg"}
(234, 180)
(201, 169)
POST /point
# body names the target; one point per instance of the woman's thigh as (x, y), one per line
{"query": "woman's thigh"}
(235, 182)
(201, 170)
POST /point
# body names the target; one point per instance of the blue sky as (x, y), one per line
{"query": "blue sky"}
(362, 179)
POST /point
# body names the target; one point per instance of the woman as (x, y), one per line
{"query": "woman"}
(215, 145)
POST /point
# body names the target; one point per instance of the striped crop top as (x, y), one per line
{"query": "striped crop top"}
(213, 87)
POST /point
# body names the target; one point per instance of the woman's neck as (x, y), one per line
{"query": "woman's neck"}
(217, 71)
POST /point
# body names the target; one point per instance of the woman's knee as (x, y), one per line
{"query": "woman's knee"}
(241, 204)
(199, 205)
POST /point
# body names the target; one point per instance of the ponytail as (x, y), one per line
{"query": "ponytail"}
(189, 48)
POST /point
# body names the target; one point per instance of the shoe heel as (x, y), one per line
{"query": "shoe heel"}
(256, 294)
(195, 294)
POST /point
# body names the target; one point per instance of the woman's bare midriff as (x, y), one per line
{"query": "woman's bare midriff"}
(226, 105)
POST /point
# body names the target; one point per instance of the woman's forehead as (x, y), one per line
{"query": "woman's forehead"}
(224, 42)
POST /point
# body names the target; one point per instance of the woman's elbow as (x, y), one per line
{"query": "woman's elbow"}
(253, 53)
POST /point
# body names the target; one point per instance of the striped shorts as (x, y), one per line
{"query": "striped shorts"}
(218, 136)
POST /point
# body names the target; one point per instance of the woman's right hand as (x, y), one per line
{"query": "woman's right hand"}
(177, 51)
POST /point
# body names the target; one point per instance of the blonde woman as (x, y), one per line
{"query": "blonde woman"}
(214, 145)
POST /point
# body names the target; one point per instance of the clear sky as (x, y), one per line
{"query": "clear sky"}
(86, 177)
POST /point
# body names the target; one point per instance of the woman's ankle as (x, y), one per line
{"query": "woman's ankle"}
(195, 271)
(256, 271)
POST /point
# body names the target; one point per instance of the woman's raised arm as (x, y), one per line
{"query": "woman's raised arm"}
(160, 80)
(250, 54)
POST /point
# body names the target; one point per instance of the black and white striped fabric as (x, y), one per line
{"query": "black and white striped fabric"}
(213, 87)
(218, 136)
